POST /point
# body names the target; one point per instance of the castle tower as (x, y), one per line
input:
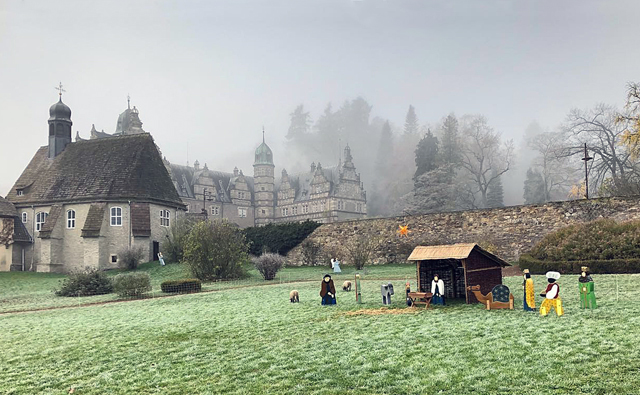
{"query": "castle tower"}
(264, 184)
(59, 126)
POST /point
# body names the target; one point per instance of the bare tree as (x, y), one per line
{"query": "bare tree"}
(631, 117)
(614, 171)
(555, 168)
(484, 157)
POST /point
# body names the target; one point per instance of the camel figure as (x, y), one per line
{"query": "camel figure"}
(498, 298)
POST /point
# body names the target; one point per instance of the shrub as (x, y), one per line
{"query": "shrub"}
(173, 246)
(181, 286)
(132, 284)
(216, 250)
(268, 264)
(87, 283)
(278, 238)
(360, 248)
(603, 239)
(310, 252)
(131, 257)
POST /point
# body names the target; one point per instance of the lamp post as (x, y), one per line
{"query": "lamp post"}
(586, 159)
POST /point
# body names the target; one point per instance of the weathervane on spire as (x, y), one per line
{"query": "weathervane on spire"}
(128, 101)
(60, 90)
(263, 133)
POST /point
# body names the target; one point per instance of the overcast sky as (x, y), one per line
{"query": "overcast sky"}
(207, 75)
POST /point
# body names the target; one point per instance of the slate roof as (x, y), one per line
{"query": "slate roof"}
(50, 223)
(93, 223)
(7, 209)
(20, 233)
(140, 219)
(119, 168)
(302, 182)
(184, 178)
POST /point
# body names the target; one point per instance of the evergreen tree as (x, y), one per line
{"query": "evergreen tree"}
(385, 149)
(432, 192)
(426, 154)
(300, 122)
(450, 141)
(495, 194)
(534, 190)
(411, 121)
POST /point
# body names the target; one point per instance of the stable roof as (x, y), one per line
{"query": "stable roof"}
(451, 251)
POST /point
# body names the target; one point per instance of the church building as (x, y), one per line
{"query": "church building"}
(83, 203)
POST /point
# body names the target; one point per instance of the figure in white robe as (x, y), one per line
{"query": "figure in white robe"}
(437, 289)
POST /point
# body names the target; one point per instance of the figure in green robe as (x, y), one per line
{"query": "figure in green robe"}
(586, 288)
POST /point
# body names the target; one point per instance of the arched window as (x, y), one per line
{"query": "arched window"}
(116, 216)
(164, 217)
(71, 219)
(41, 218)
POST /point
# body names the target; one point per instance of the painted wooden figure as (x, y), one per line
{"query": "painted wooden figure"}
(407, 289)
(437, 289)
(328, 291)
(529, 299)
(386, 290)
(586, 287)
(551, 296)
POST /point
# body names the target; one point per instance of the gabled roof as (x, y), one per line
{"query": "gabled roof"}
(7, 209)
(116, 168)
(451, 251)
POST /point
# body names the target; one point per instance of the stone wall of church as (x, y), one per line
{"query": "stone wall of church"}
(508, 231)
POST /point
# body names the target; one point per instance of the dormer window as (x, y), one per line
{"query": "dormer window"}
(20, 192)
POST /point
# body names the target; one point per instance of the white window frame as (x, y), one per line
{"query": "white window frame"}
(165, 218)
(215, 210)
(294, 210)
(340, 205)
(41, 219)
(241, 195)
(25, 217)
(71, 219)
(115, 218)
(19, 192)
(242, 212)
(305, 208)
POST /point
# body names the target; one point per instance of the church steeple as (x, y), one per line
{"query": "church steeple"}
(59, 126)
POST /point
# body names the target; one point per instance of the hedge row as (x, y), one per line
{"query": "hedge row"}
(596, 266)
(188, 285)
(278, 238)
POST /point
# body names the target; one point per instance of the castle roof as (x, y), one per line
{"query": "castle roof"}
(117, 168)
(264, 156)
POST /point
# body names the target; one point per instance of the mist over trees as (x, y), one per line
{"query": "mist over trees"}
(463, 163)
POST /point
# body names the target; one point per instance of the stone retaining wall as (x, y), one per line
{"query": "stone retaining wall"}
(507, 232)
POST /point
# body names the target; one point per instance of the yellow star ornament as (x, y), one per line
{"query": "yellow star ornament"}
(403, 230)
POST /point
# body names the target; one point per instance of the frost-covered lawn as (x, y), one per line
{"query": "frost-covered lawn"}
(252, 340)
(21, 291)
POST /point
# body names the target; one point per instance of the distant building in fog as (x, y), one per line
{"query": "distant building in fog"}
(322, 194)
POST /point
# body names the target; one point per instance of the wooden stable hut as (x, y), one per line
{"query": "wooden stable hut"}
(459, 266)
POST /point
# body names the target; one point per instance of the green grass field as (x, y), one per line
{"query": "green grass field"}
(249, 339)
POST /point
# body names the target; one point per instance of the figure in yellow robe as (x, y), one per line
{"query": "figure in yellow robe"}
(529, 298)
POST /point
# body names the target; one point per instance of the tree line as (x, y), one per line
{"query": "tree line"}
(459, 163)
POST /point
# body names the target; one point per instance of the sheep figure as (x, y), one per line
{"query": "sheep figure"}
(346, 286)
(294, 296)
